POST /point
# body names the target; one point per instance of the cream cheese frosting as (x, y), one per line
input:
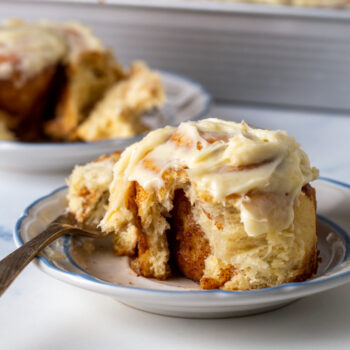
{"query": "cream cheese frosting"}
(221, 159)
(27, 49)
(79, 38)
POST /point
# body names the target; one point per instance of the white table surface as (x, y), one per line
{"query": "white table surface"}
(39, 312)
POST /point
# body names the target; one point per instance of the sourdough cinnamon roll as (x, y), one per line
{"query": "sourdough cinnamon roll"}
(228, 204)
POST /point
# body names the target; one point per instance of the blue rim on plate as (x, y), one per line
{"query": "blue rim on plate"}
(203, 91)
(88, 277)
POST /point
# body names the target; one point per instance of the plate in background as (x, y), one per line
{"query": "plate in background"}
(102, 272)
(185, 99)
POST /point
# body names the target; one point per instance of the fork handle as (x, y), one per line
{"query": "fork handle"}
(14, 263)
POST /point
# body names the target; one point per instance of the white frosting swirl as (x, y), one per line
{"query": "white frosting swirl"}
(265, 168)
(28, 49)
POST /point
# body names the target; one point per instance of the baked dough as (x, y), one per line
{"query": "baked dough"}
(119, 113)
(226, 204)
(88, 71)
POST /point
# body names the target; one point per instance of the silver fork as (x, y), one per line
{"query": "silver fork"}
(13, 264)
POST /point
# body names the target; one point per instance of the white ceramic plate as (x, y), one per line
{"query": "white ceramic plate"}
(185, 99)
(102, 272)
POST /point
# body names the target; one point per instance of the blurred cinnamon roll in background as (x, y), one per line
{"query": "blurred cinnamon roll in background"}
(29, 60)
(52, 76)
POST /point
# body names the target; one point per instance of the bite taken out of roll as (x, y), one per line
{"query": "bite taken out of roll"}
(226, 204)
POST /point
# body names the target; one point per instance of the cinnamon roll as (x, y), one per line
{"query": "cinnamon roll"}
(226, 204)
